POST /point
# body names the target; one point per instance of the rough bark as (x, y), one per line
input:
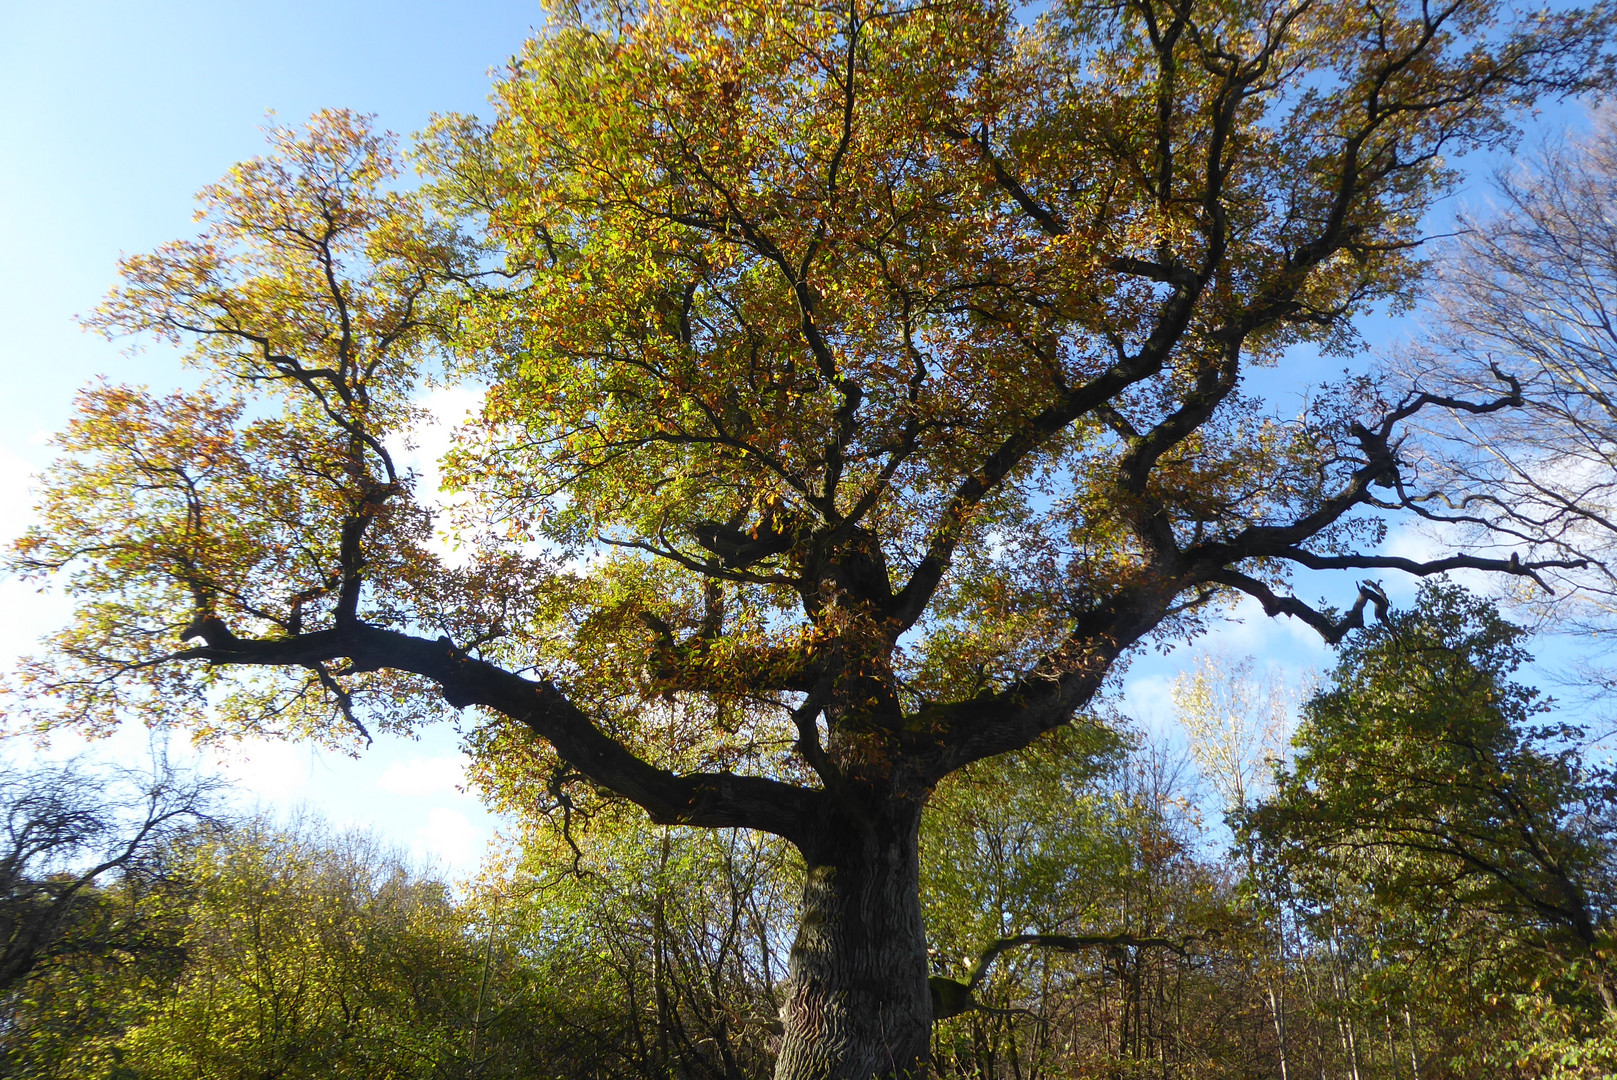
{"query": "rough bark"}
(858, 1005)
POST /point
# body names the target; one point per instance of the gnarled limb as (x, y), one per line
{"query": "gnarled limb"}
(712, 800)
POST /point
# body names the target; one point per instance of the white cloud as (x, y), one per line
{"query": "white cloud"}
(29, 615)
(272, 769)
(1408, 541)
(30, 612)
(1148, 699)
(450, 837)
(424, 776)
(447, 408)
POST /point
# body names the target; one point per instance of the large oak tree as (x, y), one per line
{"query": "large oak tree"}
(862, 382)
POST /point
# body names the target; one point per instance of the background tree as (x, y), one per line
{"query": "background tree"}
(651, 952)
(298, 953)
(322, 957)
(67, 833)
(1531, 290)
(1433, 817)
(1014, 851)
(876, 372)
(1236, 724)
(1064, 892)
(1073, 898)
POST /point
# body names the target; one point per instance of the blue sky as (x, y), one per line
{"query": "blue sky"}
(112, 115)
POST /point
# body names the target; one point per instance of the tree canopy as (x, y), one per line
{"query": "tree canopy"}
(861, 384)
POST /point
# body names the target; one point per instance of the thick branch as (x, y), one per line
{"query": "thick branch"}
(712, 800)
(1052, 692)
(1331, 629)
(951, 998)
(1512, 565)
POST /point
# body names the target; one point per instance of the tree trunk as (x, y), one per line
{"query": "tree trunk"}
(857, 1004)
(1277, 1010)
